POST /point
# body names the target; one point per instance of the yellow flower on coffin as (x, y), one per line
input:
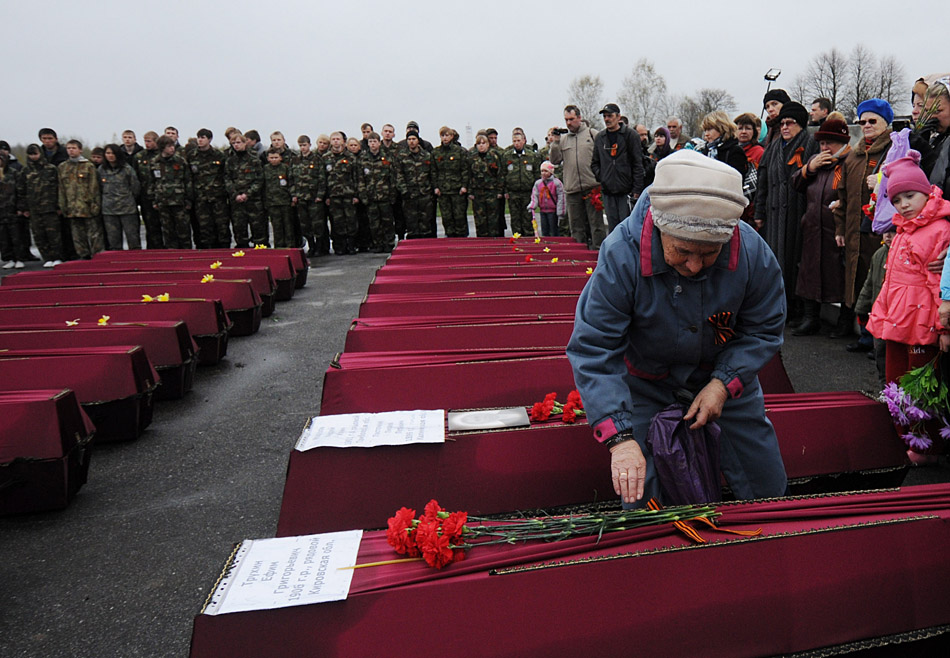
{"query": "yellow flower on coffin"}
(547, 249)
(207, 278)
(104, 320)
(72, 323)
(238, 254)
(260, 246)
(554, 260)
(148, 298)
(216, 264)
(590, 270)
(164, 297)
(515, 235)
(537, 240)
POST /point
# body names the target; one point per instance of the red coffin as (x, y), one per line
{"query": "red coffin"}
(238, 298)
(825, 574)
(491, 260)
(500, 304)
(445, 271)
(520, 285)
(168, 345)
(829, 442)
(113, 384)
(461, 245)
(206, 320)
(362, 337)
(44, 456)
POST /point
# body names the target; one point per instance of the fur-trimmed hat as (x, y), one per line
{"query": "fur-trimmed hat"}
(833, 130)
(696, 198)
(779, 95)
(796, 111)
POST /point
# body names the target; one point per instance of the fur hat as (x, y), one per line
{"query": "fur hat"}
(779, 95)
(796, 111)
(880, 107)
(696, 198)
(905, 175)
(833, 130)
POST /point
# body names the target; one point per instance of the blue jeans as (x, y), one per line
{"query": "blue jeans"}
(549, 224)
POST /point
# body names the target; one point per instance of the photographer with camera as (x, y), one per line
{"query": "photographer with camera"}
(575, 148)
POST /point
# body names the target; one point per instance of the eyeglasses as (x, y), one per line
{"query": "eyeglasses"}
(787, 122)
(864, 121)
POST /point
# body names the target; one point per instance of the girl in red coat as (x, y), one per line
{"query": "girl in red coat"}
(905, 312)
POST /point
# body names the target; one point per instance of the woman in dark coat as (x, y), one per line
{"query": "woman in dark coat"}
(821, 269)
(778, 206)
(721, 144)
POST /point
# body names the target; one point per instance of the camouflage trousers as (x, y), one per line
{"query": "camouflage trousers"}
(313, 225)
(500, 213)
(485, 208)
(10, 239)
(454, 209)
(381, 227)
(47, 235)
(119, 225)
(88, 235)
(214, 222)
(416, 211)
(153, 225)
(282, 223)
(176, 227)
(248, 223)
(520, 215)
(343, 224)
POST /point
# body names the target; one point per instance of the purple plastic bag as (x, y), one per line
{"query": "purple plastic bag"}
(686, 461)
(883, 208)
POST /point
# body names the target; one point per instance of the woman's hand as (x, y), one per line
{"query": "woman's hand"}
(707, 405)
(839, 240)
(936, 266)
(944, 314)
(945, 342)
(628, 470)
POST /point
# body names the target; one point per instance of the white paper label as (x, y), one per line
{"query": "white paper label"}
(389, 428)
(288, 571)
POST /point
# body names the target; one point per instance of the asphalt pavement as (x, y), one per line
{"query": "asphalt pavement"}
(125, 568)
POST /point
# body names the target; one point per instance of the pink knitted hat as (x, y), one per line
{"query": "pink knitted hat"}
(905, 175)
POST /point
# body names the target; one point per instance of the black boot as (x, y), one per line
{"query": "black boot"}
(811, 322)
(845, 325)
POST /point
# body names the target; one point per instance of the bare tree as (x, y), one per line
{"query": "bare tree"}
(861, 85)
(825, 77)
(587, 93)
(691, 114)
(642, 94)
(692, 109)
(801, 88)
(892, 82)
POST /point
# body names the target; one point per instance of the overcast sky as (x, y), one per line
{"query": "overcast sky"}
(92, 69)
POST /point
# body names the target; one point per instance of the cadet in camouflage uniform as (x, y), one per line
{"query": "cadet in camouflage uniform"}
(414, 180)
(499, 152)
(10, 235)
(120, 187)
(38, 200)
(172, 193)
(244, 181)
(142, 163)
(342, 195)
(279, 198)
(377, 190)
(451, 169)
(211, 194)
(487, 189)
(319, 221)
(521, 168)
(79, 201)
(311, 178)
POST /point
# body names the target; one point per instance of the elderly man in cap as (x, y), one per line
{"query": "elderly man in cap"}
(685, 299)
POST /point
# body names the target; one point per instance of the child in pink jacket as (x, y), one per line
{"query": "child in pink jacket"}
(905, 312)
(548, 198)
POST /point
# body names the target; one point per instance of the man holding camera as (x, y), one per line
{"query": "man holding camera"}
(575, 148)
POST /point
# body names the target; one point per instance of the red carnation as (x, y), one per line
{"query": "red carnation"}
(435, 548)
(454, 526)
(574, 399)
(569, 415)
(537, 410)
(400, 535)
(432, 511)
(528, 259)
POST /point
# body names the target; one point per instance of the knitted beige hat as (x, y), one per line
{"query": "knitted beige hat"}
(696, 198)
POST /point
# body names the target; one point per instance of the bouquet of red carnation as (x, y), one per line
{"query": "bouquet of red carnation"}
(595, 199)
(574, 407)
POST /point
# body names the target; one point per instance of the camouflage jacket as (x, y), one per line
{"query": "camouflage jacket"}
(377, 178)
(208, 173)
(8, 189)
(244, 175)
(278, 185)
(520, 171)
(414, 173)
(170, 184)
(38, 188)
(342, 181)
(486, 173)
(78, 189)
(451, 168)
(142, 164)
(288, 156)
(120, 189)
(311, 177)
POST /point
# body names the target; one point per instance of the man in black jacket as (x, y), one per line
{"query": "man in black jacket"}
(617, 164)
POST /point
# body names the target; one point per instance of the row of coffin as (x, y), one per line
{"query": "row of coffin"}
(87, 347)
(462, 324)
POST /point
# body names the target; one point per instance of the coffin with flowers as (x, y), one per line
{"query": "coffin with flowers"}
(169, 346)
(280, 265)
(365, 336)
(789, 584)
(513, 256)
(498, 303)
(113, 384)
(259, 278)
(206, 320)
(442, 245)
(44, 449)
(240, 302)
(523, 285)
